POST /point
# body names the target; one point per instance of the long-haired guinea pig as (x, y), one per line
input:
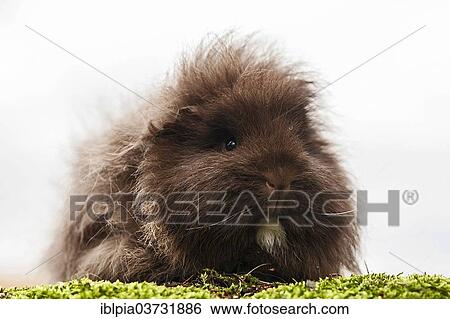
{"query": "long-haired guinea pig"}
(225, 168)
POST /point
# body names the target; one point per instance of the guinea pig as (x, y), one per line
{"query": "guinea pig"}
(226, 168)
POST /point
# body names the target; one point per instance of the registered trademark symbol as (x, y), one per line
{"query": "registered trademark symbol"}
(410, 197)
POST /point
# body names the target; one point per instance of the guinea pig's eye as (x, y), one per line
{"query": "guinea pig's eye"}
(230, 143)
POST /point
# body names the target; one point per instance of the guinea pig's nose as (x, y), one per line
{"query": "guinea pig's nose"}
(278, 181)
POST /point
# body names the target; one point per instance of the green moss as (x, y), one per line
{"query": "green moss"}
(366, 287)
(86, 288)
(210, 284)
(230, 286)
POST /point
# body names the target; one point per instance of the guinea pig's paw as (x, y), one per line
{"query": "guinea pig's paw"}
(270, 237)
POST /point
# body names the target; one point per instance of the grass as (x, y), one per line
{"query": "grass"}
(210, 284)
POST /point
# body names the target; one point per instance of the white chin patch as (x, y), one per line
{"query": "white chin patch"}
(270, 237)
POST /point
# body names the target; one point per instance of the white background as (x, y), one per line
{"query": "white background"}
(390, 116)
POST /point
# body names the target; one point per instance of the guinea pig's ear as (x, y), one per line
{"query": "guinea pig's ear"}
(173, 125)
(157, 129)
(155, 126)
(153, 129)
(187, 110)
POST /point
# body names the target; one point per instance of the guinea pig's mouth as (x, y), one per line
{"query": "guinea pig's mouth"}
(205, 209)
(250, 210)
(271, 237)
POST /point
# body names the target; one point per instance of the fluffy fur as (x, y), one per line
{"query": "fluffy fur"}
(226, 89)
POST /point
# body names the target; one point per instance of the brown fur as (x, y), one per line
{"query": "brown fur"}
(228, 87)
